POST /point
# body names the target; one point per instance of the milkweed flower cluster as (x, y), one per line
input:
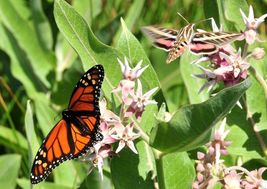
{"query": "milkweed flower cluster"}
(211, 169)
(227, 65)
(120, 128)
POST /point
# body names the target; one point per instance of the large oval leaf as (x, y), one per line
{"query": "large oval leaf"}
(190, 125)
(10, 165)
(130, 170)
(92, 51)
(175, 171)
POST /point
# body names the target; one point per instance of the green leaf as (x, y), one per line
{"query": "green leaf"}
(30, 132)
(172, 84)
(132, 49)
(10, 165)
(191, 83)
(132, 16)
(88, 47)
(93, 181)
(211, 10)
(146, 166)
(148, 120)
(129, 170)
(66, 174)
(8, 139)
(88, 9)
(175, 170)
(230, 16)
(41, 60)
(243, 138)
(66, 56)
(20, 66)
(256, 103)
(92, 51)
(41, 25)
(232, 12)
(22, 8)
(190, 125)
(25, 184)
(46, 116)
(134, 13)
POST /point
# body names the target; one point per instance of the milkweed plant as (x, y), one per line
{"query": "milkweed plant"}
(227, 65)
(199, 122)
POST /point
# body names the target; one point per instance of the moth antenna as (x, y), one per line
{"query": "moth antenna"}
(203, 20)
(183, 17)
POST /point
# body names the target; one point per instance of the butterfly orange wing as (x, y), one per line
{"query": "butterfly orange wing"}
(67, 140)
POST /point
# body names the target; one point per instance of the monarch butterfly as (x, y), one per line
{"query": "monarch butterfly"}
(176, 42)
(77, 131)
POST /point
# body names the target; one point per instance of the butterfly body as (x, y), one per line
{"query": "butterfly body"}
(77, 131)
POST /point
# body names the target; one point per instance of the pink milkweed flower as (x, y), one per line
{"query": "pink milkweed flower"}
(255, 180)
(131, 73)
(218, 145)
(126, 85)
(140, 101)
(213, 76)
(230, 69)
(97, 159)
(107, 116)
(252, 24)
(127, 88)
(126, 136)
(232, 180)
(240, 65)
(258, 53)
(107, 139)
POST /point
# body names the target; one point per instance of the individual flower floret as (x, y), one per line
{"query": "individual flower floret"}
(214, 77)
(131, 73)
(258, 53)
(232, 180)
(252, 24)
(230, 69)
(255, 180)
(218, 146)
(98, 158)
(126, 136)
(127, 88)
(126, 85)
(140, 101)
(107, 116)
(107, 139)
(239, 65)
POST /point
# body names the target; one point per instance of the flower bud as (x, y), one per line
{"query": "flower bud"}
(258, 53)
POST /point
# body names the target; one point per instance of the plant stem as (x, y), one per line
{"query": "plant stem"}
(245, 51)
(143, 134)
(263, 83)
(253, 123)
(160, 173)
(9, 90)
(260, 80)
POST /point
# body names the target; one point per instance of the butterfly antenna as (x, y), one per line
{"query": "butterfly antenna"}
(183, 17)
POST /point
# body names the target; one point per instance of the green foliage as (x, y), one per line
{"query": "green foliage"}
(10, 165)
(187, 129)
(45, 46)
